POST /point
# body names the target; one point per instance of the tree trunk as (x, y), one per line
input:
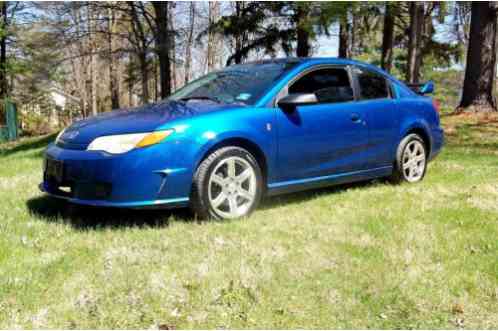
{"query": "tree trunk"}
(239, 36)
(93, 59)
(303, 36)
(190, 41)
(415, 36)
(213, 47)
(480, 71)
(386, 60)
(113, 70)
(344, 39)
(162, 42)
(172, 45)
(3, 52)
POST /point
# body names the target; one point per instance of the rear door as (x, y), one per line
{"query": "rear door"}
(378, 100)
(330, 137)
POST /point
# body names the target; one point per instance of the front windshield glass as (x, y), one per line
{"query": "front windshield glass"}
(243, 84)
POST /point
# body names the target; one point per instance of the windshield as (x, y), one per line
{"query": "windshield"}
(243, 84)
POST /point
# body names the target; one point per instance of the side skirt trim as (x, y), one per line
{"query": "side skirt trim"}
(300, 184)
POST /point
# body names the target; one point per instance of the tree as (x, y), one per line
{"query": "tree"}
(414, 41)
(162, 38)
(189, 42)
(212, 42)
(113, 72)
(480, 70)
(3, 50)
(344, 38)
(388, 37)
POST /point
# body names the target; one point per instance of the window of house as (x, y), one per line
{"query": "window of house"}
(330, 85)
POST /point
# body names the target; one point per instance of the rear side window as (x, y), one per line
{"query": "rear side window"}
(372, 85)
(330, 85)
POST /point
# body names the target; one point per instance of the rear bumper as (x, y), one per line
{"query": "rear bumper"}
(149, 177)
(437, 142)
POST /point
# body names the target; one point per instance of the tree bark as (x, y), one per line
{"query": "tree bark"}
(190, 41)
(387, 38)
(344, 39)
(303, 36)
(480, 70)
(415, 36)
(3, 53)
(172, 45)
(213, 47)
(93, 58)
(239, 37)
(162, 36)
(113, 70)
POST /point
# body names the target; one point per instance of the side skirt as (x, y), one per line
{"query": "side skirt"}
(322, 181)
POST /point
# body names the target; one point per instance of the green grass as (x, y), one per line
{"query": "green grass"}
(370, 255)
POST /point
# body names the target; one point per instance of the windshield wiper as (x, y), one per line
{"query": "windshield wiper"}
(201, 97)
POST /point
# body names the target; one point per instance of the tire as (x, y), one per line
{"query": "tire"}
(223, 191)
(415, 170)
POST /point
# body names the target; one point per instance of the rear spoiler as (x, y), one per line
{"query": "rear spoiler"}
(423, 88)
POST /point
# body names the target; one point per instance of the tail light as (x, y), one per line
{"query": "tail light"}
(435, 103)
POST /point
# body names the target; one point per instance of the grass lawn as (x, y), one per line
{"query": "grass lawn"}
(369, 255)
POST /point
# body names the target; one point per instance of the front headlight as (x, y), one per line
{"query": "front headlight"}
(123, 143)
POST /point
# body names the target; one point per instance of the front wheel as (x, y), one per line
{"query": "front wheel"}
(411, 160)
(227, 184)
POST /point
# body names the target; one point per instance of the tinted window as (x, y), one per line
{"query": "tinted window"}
(329, 85)
(235, 84)
(372, 85)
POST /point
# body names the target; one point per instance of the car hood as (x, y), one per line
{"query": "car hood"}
(143, 119)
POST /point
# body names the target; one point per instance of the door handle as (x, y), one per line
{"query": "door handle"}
(355, 117)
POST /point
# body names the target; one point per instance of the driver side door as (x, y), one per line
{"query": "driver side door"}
(326, 138)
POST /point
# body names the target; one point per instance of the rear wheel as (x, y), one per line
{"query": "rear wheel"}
(228, 184)
(411, 160)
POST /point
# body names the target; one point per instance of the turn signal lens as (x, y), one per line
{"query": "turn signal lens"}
(153, 138)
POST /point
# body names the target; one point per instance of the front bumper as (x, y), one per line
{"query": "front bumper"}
(147, 177)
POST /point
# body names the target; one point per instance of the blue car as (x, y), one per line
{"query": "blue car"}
(222, 142)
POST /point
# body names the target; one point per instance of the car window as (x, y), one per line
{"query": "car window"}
(243, 84)
(330, 85)
(372, 85)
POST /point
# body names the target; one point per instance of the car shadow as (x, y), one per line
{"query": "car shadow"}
(97, 218)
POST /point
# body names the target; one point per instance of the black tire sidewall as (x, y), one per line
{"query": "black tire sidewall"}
(220, 155)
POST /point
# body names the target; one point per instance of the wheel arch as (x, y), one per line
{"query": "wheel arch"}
(421, 130)
(241, 142)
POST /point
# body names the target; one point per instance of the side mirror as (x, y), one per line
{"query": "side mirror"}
(291, 101)
(427, 88)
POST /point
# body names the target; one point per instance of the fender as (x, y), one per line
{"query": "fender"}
(211, 142)
(409, 125)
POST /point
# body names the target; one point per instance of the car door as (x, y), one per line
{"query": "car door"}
(329, 137)
(378, 99)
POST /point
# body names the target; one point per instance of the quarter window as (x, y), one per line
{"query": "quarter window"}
(330, 85)
(372, 85)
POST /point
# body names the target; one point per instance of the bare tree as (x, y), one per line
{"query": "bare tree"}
(213, 40)
(162, 35)
(189, 42)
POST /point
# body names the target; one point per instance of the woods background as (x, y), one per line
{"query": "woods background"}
(67, 60)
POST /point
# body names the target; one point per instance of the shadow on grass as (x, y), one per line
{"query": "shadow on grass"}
(95, 218)
(311, 194)
(26, 146)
